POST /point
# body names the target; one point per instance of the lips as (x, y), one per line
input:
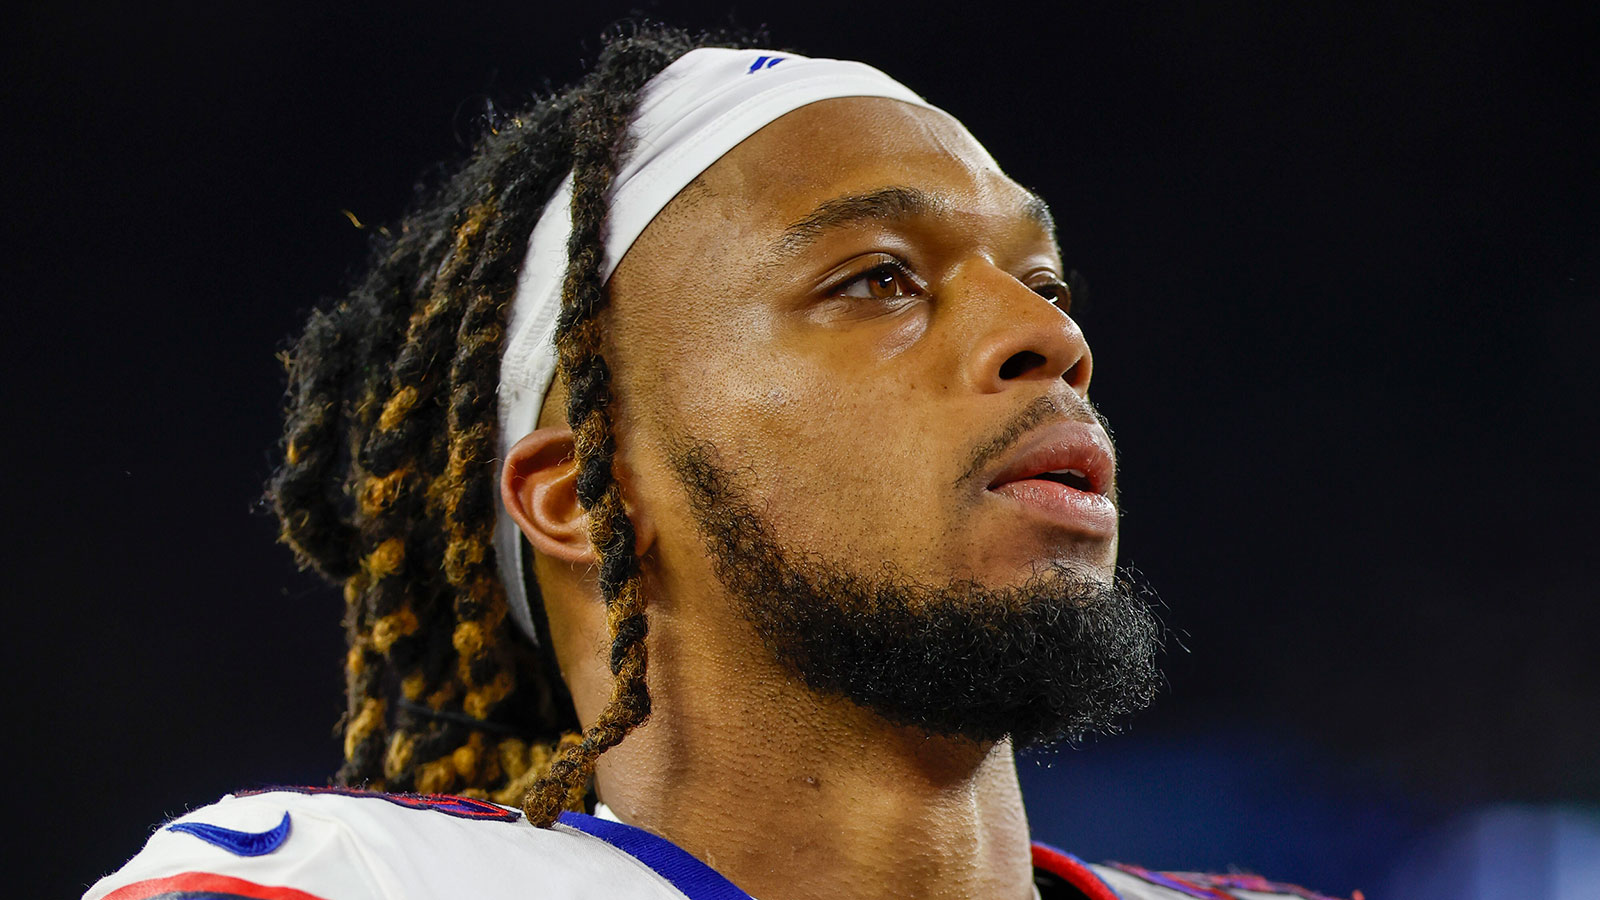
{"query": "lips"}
(1062, 473)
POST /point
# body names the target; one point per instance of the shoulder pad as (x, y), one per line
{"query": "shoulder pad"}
(265, 845)
(1137, 883)
(338, 844)
(449, 804)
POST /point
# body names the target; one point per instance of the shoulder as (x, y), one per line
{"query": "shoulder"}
(336, 844)
(1119, 881)
(1130, 882)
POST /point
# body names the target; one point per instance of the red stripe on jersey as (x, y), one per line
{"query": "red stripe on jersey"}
(206, 881)
(1070, 870)
(1177, 881)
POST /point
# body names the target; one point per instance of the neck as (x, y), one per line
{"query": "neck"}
(795, 796)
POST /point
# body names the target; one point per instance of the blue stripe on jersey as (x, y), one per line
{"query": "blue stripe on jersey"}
(694, 878)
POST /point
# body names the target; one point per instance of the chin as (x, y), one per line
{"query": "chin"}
(1066, 650)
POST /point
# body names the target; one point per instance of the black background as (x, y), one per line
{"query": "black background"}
(1345, 262)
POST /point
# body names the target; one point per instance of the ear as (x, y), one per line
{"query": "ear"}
(538, 486)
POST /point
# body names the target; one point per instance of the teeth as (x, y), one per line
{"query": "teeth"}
(1077, 472)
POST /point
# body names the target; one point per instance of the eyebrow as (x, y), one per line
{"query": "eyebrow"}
(1038, 212)
(888, 204)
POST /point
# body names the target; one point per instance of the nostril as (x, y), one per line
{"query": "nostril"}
(1020, 364)
(1075, 376)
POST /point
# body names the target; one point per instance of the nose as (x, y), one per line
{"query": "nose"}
(1022, 337)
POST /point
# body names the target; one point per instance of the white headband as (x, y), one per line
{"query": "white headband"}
(688, 116)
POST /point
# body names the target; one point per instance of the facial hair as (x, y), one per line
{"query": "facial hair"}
(1061, 655)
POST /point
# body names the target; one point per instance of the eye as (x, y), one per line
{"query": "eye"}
(888, 280)
(1056, 291)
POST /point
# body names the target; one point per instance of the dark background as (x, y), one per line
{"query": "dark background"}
(1345, 270)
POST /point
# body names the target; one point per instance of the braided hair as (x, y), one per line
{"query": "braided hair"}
(388, 482)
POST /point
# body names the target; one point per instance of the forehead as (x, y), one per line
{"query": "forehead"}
(712, 262)
(781, 175)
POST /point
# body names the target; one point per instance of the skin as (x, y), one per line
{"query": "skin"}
(850, 407)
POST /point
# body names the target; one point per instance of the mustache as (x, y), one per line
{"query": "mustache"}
(1047, 408)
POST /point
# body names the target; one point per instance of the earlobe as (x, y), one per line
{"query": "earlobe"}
(538, 486)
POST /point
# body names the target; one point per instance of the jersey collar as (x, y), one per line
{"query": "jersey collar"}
(698, 881)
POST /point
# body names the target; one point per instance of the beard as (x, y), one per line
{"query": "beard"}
(1061, 655)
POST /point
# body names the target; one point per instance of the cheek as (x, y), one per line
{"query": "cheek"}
(838, 464)
(844, 439)
(852, 397)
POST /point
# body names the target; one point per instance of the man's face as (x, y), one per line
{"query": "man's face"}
(875, 372)
(850, 391)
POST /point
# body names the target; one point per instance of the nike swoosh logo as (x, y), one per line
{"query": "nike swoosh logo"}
(239, 843)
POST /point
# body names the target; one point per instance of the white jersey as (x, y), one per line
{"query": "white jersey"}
(337, 844)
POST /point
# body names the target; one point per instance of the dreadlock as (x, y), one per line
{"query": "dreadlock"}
(388, 480)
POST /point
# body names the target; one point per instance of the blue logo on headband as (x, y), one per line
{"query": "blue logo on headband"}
(764, 62)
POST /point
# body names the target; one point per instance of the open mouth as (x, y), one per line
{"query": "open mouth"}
(1072, 478)
(1062, 474)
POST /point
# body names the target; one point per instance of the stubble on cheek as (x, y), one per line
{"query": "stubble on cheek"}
(841, 476)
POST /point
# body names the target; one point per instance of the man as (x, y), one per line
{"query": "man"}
(770, 366)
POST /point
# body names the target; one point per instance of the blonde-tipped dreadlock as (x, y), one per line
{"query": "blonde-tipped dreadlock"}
(388, 481)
